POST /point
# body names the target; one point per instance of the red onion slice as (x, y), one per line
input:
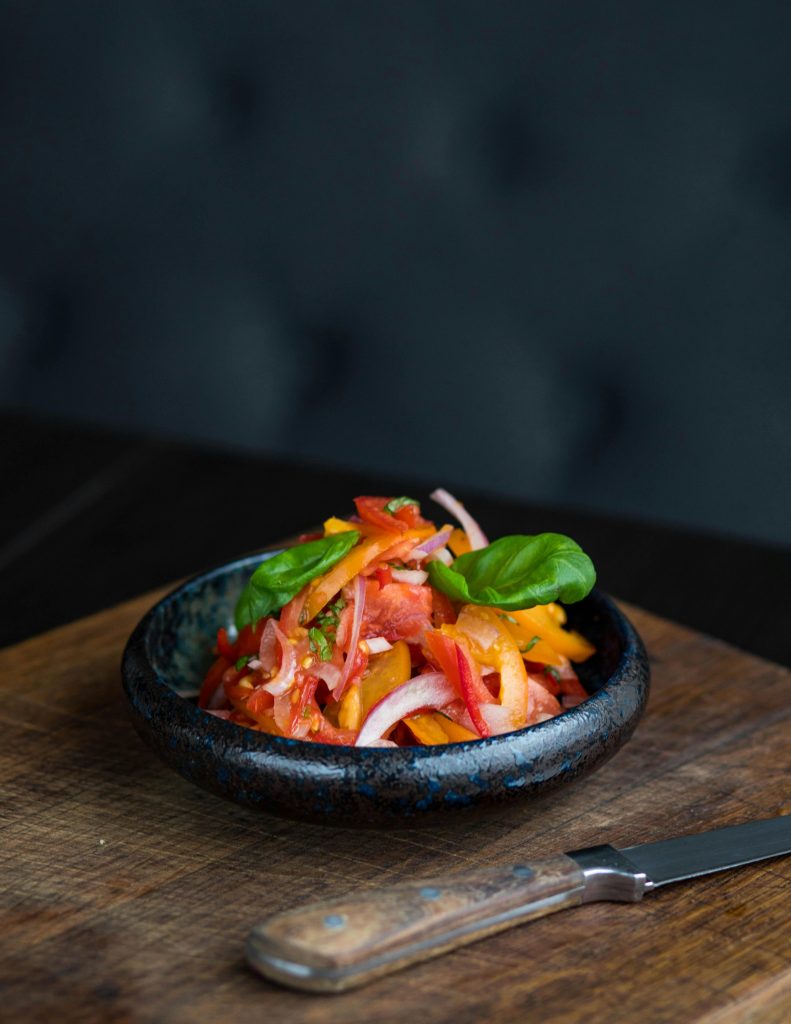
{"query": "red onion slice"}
(441, 555)
(359, 605)
(284, 679)
(431, 690)
(413, 576)
(219, 712)
(475, 534)
(325, 670)
(425, 547)
(267, 649)
(378, 644)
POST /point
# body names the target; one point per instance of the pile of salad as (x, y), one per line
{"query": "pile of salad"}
(387, 630)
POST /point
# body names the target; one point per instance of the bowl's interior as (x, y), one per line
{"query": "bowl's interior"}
(181, 638)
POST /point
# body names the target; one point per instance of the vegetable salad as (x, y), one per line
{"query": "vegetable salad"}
(387, 629)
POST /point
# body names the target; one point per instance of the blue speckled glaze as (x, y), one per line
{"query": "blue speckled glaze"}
(170, 650)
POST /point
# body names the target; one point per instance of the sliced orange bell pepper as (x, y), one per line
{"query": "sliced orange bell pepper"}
(327, 586)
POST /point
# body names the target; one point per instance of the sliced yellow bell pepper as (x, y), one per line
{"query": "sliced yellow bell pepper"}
(426, 729)
(334, 525)
(455, 733)
(493, 645)
(385, 672)
(556, 611)
(434, 727)
(531, 646)
(459, 542)
(350, 712)
(324, 588)
(539, 622)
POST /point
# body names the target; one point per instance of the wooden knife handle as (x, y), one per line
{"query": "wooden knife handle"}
(338, 945)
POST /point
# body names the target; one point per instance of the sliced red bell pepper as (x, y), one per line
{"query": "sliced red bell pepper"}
(468, 671)
(225, 648)
(447, 654)
(212, 680)
(384, 575)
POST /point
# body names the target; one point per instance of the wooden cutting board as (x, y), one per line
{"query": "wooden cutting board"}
(126, 893)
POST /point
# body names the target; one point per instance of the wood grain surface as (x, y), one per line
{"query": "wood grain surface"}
(126, 893)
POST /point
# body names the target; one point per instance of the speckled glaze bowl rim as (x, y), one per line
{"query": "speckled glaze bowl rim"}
(137, 668)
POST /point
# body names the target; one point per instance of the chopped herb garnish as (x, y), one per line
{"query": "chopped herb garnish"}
(318, 642)
(241, 662)
(508, 618)
(396, 503)
(550, 670)
(306, 712)
(529, 646)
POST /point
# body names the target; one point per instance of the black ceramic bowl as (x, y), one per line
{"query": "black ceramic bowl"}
(170, 650)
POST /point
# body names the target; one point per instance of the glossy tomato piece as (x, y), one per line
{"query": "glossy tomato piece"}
(444, 612)
(371, 510)
(397, 611)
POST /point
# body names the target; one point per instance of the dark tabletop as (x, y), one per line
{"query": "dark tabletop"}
(89, 518)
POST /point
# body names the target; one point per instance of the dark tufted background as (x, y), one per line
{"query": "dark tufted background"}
(536, 248)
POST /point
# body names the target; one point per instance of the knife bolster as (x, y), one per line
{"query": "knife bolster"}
(609, 875)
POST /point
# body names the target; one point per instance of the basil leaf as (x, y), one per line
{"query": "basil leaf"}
(530, 645)
(281, 577)
(320, 643)
(518, 572)
(396, 503)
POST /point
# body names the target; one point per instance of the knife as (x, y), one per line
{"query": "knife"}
(341, 944)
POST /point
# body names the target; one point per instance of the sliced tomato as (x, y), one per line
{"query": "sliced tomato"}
(397, 611)
(371, 510)
(442, 608)
(305, 705)
(329, 733)
(410, 514)
(542, 702)
(259, 701)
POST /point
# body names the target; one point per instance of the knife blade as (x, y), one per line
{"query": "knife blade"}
(341, 944)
